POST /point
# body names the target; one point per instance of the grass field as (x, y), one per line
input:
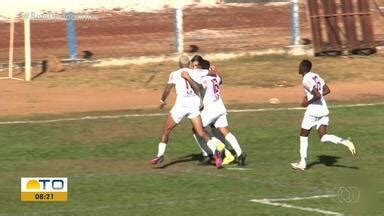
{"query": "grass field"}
(107, 164)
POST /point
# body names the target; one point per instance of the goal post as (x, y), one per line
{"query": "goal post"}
(295, 25)
(11, 39)
(27, 50)
(178, 26)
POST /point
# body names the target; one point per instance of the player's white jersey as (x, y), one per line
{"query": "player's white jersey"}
(212, 88)
(212, 99)
(199, 74)
(318, 108)
(184, 93)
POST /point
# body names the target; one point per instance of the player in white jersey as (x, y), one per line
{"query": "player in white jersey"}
(187, 105)
(316, 113)
(214, 113)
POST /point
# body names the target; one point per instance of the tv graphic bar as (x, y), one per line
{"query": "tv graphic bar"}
(44, 189)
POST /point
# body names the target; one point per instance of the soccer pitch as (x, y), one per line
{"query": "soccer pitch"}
(107, 165)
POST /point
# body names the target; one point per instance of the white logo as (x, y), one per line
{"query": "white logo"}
(349, 194)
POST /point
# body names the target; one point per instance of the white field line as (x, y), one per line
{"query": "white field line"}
(302, 108)
(301, 198)
(238, 168)
(81, 118)
(298, 207)
(274, 202)
(163, 114)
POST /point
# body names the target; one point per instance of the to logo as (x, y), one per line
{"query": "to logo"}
(44, 189)
(44, 184)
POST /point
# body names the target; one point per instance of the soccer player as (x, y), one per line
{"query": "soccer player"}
(187, 104)
(316, 113)
(196, 61)
(214, 113)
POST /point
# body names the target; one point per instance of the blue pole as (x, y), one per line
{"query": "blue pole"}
(71, 35)
(295, 25)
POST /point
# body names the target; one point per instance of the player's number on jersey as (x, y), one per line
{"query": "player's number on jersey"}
(318, 84)
(188, 88)
(215, 87)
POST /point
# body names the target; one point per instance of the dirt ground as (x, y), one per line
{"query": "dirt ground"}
(19, 98)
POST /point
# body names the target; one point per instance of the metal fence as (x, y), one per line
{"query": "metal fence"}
(339, 25)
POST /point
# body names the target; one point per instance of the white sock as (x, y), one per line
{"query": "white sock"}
(218, 144)
(303, 149)
(233, 141)
(201, 143)
(161, 151)
(211, 145)
(331, 138)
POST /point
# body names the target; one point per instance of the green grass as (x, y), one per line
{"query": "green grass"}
(255, 71)
(106, 162)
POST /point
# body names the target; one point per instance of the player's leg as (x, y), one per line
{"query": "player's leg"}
(222, 125)
(324, 137)
(171, 121)
(168, 127)
(204, 115)
(198, 128)
(216, 133)
(214, 144)
(231, 139)
(306, 125)
(201, 143)
(229, 158)
(302, 164)
(210, 116)
(206, 152)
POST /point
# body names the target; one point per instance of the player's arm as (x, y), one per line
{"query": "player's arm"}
(326, 90)
(196, 87)
(316, 96)
(221, 79)
(166, 92)
(202, 95)
(213, 71)
(202, 91)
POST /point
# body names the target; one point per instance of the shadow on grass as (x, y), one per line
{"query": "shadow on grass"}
(328, 161)
(189, 158)
(184, 159)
